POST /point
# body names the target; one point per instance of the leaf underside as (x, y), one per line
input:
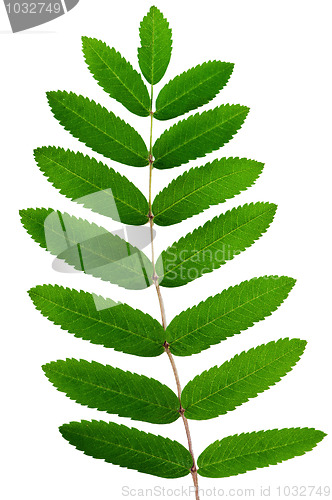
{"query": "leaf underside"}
(155, 51)
(114, 391)
(212, 245)
(100, 321)
(198, 135)
(93, 184)
(199, 188)
(116, 76)
(221, 389)
(238, 454)
(129, 448)
(88, 248)
(98, 128)
(226, 314)
(192, 89)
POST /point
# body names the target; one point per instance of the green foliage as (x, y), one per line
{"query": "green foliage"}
(237, 454)
(198, 135)
(88, 247)
(100, 321)
(199, 188)
(211, 245)
(116, 76)
(221, 389)
(129, 448)
(93, 184)
(192, 89)
(98, 128)
(94, 250)
(114, 390)
(155, 51)
(226, 314)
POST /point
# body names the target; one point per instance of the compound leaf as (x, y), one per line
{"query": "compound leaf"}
(116, 76)
(211, 245)
(199, 188)
(100, 321)
(226, 314)
(114, 391)
(238, 454)
(93, 184)
(198, 135)
(89, 248)
(155, 51)
(129, 448)
(192, 89)
(98, 128)
(221, 389)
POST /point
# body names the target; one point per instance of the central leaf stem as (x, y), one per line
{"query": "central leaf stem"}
(155, 278)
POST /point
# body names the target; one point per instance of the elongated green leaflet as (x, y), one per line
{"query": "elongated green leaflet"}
(238, 454)
(129, 448)
(116, 76)
(98, 128)
(221, 389)
(198, 135)
(155, 51)
(100, 321)
(114, 390)
(199, 188)
(226, 314)
(212, 245)
(93, 184)
(192, 89)
(89, 248)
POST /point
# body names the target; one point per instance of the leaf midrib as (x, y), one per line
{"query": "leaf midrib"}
(243, 304)
(118, 78)
(125, 146)
(206, 130)
(215, 241)
(275, 360)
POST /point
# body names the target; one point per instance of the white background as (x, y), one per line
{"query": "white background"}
(282, 56)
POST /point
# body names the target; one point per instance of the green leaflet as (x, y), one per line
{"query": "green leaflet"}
(155, 51)
(88, 248)
(211, 245)
(129, 448)
(114, 390)
(100, 321)
(237, 454)
(226, 314)
(221, 389)
(98, 128)
(198, 135)
(116, 76)
(199, 188)
(93, 184)
(192, 89)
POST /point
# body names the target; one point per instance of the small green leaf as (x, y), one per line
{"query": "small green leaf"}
(192, 89)
(221, 389)
(155, 51)
(98, 128)
(129, 448)
(238, 454)
(100, 321)
(93, 184)
(226, 314)
(212, 245)
(199, 188)
(116, 76)
(198, 135)
(114, 390)
(89, 248)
